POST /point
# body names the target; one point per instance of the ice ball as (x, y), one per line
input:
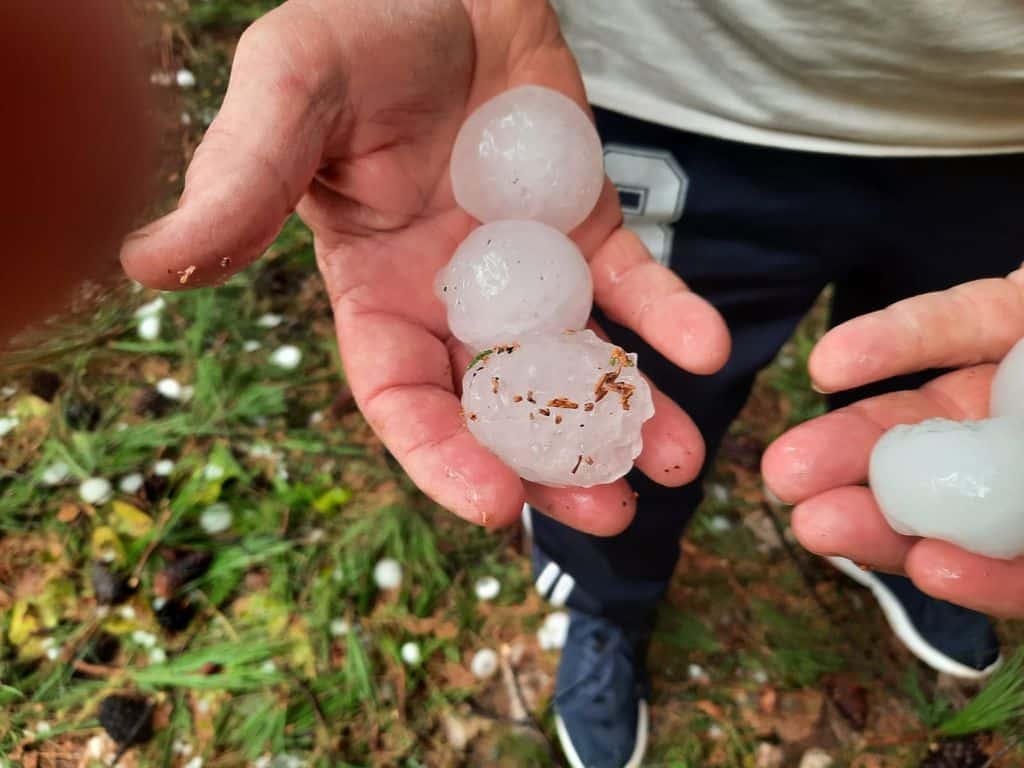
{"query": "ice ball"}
(511, 278)
(956, 481)
(1008, 385)
(528, 153)
(563, 409)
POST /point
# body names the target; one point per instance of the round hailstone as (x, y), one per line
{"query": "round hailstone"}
(150, 308)
(1008, 385)
(956, 481)
(213, 472)
(287, 357)
(512, 278)
(487, 588)
(411, 654)
(216, 518)
(130, 484)
(149, 328)
(56, 473)
(484, 663)
(339, 628)
(528, 153)
(185, 79)
(169, 388)
(95, 490)
(269, 320)
(562, 410)
(163, 468)
(387, 574)
(251, 345)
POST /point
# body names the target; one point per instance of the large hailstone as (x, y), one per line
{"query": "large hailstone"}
(511, 278)
(956, 481)
(1008, 385)
(563, 409)
(528, 153)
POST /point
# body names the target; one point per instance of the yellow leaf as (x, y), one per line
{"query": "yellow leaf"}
(24, 623)
(29, 407)
(130, 520)
(106, 546)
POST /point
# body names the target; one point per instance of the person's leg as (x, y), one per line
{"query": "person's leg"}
(758, 232)
(946, 222)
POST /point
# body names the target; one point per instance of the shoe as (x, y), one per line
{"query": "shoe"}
(946, 637)
(601, 694)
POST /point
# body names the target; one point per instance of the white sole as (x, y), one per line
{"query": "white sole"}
(904, 629)
(642, 725)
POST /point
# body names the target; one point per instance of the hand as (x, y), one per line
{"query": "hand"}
(348, 110)
(821, 466)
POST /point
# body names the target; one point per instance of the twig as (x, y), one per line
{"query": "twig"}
(518, 702)
(801, 566)
(96, 670)
(154, 542)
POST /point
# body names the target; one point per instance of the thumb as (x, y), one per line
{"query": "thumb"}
(256, 160)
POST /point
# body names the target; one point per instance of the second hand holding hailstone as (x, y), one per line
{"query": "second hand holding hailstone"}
(962, 482)
(553, 401)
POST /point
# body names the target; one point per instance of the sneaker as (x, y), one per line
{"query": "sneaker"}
(601, 694)
(946, 637)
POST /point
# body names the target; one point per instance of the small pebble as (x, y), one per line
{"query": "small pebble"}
(387, 574)
(287, 357)
(487, 588)
(484, 663)
(411, 654)
(7, 423)
(95, 490)
(216, 518)
(185, 79)
(269, 320)
(163, 468)
(339, 628)
(130, 484)
(149, 328)
(169, 388)
(56, 473)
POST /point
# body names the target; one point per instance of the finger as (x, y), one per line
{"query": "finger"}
(834, 450)
(255, 161)
(995, 587)
(603, 510)
(636, 291)
(847, 522)
(401, 377)
(972, 323)
(673, 451)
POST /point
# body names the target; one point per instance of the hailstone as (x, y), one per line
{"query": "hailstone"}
(528, 153)
(561, 409)
(956, 481)
(1008, 385)
(510, 278)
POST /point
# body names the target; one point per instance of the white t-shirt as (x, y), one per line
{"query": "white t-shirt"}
(872, 77)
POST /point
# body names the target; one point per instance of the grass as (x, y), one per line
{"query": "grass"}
(294, 654)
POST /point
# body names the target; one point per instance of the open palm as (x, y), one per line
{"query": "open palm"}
(347, 111)
(822, 466)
